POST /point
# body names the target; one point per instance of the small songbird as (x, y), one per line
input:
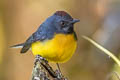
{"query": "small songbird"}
(55, 39)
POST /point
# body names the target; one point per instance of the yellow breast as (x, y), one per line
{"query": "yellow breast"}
(58, 49)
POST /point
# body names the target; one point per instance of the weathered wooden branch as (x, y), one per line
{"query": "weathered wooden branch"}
(43, 71)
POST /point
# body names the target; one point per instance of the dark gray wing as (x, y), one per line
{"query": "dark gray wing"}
(33, 38)
(40, 35)
(27, 45)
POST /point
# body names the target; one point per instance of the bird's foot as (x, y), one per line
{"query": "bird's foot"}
(59, 75)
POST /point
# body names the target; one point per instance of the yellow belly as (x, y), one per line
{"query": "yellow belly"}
(58, 49)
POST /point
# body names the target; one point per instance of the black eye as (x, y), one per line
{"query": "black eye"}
(62, 23)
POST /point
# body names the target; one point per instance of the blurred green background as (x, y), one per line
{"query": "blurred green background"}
(100, 20)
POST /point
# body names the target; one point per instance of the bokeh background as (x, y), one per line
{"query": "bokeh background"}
(100, 20)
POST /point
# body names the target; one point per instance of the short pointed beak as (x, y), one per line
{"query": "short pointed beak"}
(75, 20)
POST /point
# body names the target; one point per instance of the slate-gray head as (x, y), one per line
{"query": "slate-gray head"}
(61, 22)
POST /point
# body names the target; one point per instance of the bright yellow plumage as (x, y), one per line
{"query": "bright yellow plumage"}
(58, 49)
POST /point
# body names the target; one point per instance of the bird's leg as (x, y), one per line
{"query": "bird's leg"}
(58, 66)
(58, 72)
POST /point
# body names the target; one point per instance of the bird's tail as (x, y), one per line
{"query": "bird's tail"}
(18, 46)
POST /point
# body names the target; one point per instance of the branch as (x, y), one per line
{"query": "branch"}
(103, 49)
(117, 75)
(43, 71)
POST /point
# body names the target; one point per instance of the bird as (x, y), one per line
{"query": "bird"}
(55, 39)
